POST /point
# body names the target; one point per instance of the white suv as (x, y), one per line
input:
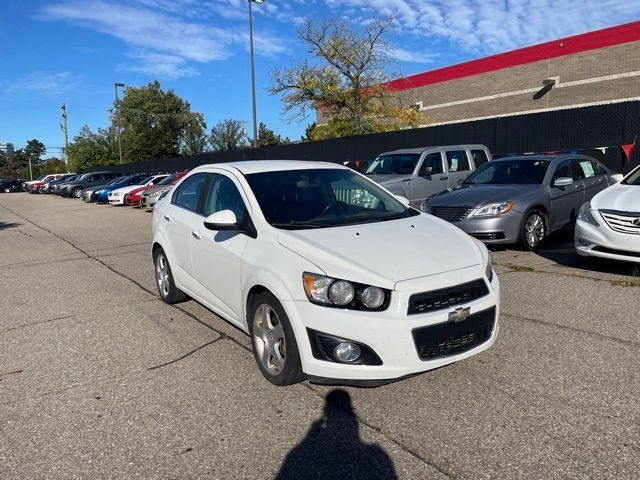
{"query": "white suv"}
(333, 277)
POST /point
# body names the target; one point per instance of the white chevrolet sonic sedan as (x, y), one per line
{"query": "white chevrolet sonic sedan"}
(334, 278)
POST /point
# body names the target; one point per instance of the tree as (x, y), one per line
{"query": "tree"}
(52, 165)
(34, 151)
(194, 138)
(348, 82)
(268, 138)
(308, 132)
(227, 135)
(90, 149)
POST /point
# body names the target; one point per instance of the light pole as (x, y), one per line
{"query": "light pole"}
(253, 76)
(66, 135)
(116, 85)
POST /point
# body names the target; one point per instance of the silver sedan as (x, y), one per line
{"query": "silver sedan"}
(522, 199)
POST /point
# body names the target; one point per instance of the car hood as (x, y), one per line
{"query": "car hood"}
(385, 253)
(475, 195)
(156, 188)
(127, 189)
(390, 179)
(621, 197)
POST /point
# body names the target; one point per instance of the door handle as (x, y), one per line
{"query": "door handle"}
(601, 179)
(196, 235)
(167, 218)
(444, 177)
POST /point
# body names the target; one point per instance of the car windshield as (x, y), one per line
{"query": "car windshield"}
(168, 180)
(633, 179)
(519, 172)
(317, 198)
(399, 164)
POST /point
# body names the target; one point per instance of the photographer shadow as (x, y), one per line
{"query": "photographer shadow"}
(332, 448)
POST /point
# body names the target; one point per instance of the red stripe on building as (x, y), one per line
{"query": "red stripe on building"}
(629, 32)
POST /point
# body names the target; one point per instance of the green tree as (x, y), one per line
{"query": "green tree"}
(228, 134)
(52, 165)
(194, 137)
(268, 138)
(346, 79)
(90, 149)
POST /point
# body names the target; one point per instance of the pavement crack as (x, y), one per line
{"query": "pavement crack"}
(36, 323)
(186, 354)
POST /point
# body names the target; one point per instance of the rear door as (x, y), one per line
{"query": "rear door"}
(458, 166)
(595, 180)
(479, 158)
(566, 199)
(431, 179)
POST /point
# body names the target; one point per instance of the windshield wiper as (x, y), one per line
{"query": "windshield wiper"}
(297, 224)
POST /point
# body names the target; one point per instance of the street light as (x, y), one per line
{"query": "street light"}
(253, 76)
(116, 85)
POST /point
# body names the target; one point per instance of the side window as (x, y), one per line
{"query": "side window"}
(565, 169)
(95, 178)
(479, 157)
(432, 165)
(457, 161)
(224, 195)
(109, 176)
(188, 193)
(585, 168)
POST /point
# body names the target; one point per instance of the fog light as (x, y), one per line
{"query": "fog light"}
(347, 352)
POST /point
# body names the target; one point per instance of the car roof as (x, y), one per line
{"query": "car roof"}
(436, 148)
(260, 166)
(549, 157)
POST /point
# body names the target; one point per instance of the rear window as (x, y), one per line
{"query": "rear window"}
(457, 161)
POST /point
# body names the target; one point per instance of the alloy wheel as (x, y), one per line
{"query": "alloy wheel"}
(534, 230)
(77, 193)
(162, 274)
(269, 339)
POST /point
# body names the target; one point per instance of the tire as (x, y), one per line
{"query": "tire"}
(76, 192)
(167, 289)
(533, 230)
(274, 344)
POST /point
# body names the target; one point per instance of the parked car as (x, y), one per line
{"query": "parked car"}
(363, 290)
(119, 195)
(135, 196)
(609, 225)
(87, 194)
(150, 197)
(25, 185)
(522, 199)
(7, 186)
(93, 179)
(101, 195)
(33, 187)
(419, 173)
(48, 186)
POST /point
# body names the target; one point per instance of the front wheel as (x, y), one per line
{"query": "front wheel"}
(274, 343)
(167, 289)
(76, 193)
(533, 230)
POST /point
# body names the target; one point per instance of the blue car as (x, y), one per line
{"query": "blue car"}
(101, 195)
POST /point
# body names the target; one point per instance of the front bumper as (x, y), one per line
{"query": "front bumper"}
(116, 199)
(499, 229)
(592, 241)
(389, 334)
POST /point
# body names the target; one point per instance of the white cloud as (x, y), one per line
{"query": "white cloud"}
(404, 55)
(490, 26)
(45, 83)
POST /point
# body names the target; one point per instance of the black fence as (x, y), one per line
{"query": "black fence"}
(561, 130)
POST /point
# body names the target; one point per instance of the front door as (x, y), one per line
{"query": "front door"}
(217, 255)
(566, 199)
(431, 179)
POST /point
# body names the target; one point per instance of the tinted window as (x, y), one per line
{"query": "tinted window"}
(565, 169)
(188, 193)
(95, 178)
(479, 157)
(433, 160)
(401, 163)
(457, 161)
(523, 172)
(224, 195)
(586, 168)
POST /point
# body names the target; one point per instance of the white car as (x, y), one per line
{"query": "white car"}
(609, 225)
(118, 197)
(333, 277)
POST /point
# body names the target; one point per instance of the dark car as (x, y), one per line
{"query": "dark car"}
(49, 186)
(522, 199)
(101, 195)
(7, 186)
(93, 179)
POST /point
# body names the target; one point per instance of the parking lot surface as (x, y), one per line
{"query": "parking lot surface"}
(100, 379)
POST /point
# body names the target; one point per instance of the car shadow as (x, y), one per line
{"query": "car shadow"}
(332, 448)
(7, 225)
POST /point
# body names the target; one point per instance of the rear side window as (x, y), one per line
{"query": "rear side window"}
(479, 157)
(457, 161)
(188, 193)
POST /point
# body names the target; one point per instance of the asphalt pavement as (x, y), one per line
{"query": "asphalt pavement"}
(100, 379)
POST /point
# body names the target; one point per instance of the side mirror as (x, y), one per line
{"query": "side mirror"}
(426, 171)
(617, 177)
(403, 200)
(562, 181)
(222, 220)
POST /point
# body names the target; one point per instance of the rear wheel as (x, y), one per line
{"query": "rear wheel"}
(274, 343)
(533, 230)
(76, 192)
(167, 289)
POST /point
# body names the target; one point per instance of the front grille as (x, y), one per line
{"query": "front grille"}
(451, 214)
(452, 338)
(622, 221)
(447, 297)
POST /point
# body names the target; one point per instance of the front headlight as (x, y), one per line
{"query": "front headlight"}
(155, 194)
(332, 292)
(493, 209)
(586, 214)
(489, 270)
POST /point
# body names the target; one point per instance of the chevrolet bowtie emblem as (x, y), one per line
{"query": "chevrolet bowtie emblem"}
(459, 314)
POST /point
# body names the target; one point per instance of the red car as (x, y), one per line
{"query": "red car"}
(34, 187)
(133, 200)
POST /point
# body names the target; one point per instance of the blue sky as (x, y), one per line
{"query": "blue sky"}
(72, 51)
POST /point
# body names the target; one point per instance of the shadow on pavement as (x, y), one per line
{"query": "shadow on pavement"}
(332, 448)
(7, 225)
